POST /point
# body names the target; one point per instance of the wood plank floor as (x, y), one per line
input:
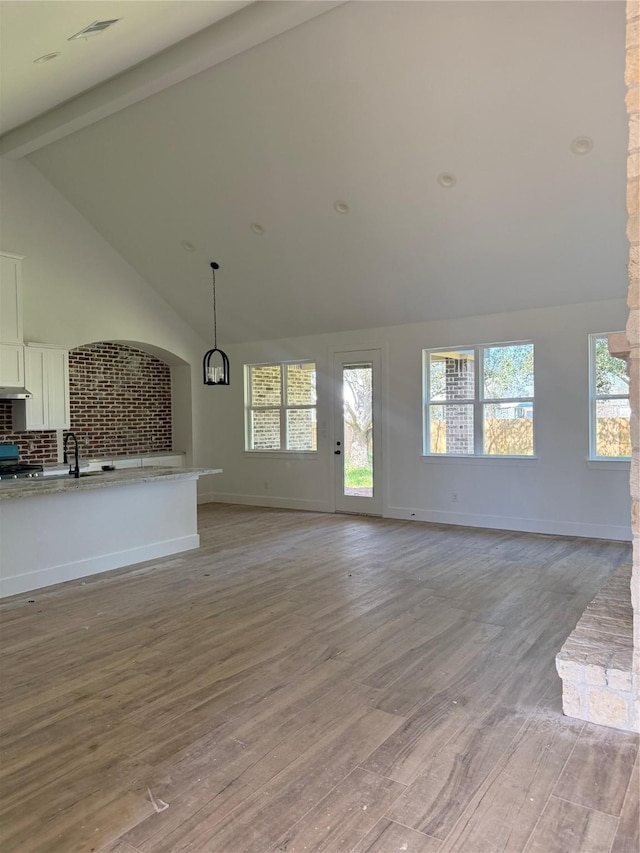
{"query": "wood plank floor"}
(316, 683)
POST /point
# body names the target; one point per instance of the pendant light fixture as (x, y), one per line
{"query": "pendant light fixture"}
(215, 364)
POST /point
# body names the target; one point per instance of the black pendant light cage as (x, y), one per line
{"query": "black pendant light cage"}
(215, 364)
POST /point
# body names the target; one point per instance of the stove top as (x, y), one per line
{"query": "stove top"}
(10, 466)
(19, 471)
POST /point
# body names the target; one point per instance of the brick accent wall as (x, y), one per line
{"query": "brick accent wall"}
(38, 447)
(301, 424)
(120, 400)
(266, 387)
(266, 391)
(460, 381)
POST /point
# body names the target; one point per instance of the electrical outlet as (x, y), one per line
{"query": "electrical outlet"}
(266, 485)
(454, 497)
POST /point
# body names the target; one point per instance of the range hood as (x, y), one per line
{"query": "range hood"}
(14, 394)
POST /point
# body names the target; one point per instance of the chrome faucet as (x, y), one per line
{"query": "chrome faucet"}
(76, 469)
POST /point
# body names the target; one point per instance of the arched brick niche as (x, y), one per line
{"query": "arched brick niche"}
(120, 400)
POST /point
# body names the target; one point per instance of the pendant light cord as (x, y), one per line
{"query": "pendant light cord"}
(214, 267)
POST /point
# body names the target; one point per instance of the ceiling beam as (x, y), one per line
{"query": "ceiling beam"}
(250, 26)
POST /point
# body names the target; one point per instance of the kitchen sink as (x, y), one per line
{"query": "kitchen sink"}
(83, 474)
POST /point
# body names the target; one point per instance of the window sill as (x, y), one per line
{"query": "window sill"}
(609, 464)
(480, 460)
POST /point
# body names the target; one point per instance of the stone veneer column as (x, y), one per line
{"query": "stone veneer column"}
(600, 662)
(632, 78)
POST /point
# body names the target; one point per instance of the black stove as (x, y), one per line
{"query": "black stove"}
(19, 471)
(10, 466)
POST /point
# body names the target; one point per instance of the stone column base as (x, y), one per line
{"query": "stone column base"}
(595, 662)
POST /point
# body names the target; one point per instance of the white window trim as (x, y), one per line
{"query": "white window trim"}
(478, 402)
(593, 460)
(283, 408)
(610, 463)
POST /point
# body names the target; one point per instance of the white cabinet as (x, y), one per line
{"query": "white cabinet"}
(10, 299)
(11, 355)
(47, 377)
(11, 365)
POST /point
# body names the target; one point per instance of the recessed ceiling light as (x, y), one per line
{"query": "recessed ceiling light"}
(582, 145)
(187, 246)
(447, 180)
(47, 57)
(341, 207)
(257, 228)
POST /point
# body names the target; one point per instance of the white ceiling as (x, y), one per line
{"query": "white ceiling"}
(366, 103)
(29, 30)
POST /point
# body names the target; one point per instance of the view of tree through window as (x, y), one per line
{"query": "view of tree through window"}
(357, 395)
(479, 400)
(508, 371)
(610, 410)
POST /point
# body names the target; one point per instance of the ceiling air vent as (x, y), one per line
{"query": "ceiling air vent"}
(94, 29)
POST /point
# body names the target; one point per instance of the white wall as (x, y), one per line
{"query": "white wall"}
(558, 492)
(78, 290)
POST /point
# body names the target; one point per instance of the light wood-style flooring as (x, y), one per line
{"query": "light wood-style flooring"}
(313, 683)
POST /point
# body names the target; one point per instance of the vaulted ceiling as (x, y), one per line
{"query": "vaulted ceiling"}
(400, 161)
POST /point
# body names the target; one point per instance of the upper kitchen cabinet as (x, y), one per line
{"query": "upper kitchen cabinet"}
(11, 365)
(46, 371)
(11, 355)
(10, 299)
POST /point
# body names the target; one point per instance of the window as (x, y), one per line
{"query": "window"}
(280, 406)
(609, 402)
(478, 401)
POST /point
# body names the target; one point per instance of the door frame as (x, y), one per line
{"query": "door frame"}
(349, 503)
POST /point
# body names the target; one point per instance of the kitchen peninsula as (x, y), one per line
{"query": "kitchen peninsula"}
(60, 529)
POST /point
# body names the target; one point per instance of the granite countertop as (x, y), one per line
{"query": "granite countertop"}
(25, 488)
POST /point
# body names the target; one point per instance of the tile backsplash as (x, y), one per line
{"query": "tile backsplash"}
(120, 404)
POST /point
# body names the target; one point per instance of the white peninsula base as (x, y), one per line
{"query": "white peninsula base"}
(54, 532)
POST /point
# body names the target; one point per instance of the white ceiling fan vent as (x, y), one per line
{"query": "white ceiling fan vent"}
(94, 29)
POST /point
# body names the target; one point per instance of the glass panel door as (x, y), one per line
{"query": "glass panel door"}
(356, 450)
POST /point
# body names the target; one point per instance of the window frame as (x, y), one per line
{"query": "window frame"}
(594, 397)
(479, 401)
(282, 409)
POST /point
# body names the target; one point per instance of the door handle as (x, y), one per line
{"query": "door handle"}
(337, 452)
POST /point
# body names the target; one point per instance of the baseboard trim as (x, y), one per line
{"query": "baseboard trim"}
(493, 522)
(16, 584)
(262, 500)
(524, 525)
